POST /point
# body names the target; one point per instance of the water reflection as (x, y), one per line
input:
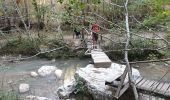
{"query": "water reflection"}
(69, 73)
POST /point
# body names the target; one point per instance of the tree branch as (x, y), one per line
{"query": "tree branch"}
(21, 59)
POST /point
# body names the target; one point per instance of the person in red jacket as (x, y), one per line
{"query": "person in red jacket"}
(95, 29)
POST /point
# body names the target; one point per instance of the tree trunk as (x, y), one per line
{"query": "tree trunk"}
(126, 54)
(27, 13)
(4, 8)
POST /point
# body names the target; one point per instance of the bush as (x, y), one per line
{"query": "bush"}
(8, 95)
(20, 46)
(65, 52)
(137, 53)
(81, 88)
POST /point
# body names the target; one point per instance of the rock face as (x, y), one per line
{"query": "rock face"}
(24, 88)
(34, 74)
(46, 70)
(58, 73)
(31, 97)
(95, 79)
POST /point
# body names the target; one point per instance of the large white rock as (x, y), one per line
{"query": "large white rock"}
(95, 79)
(46, 70)
(58, 73)
(65, 91)
(31, 97)
(34, 74)
(24, 88)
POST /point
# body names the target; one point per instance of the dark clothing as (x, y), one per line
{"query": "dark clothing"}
(77, 33)
(94, 36)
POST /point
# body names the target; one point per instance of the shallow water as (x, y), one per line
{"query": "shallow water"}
(16, 73)
(19, 72)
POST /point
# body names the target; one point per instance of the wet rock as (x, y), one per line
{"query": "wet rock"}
(24, 88)
(31, 97)
(10, 82)
(58, 73)
(152, 64)
(95, 78)
(46, 70)
(137, 66)
(65, 91)
(53, 60)
(34, 74)
(166, 64)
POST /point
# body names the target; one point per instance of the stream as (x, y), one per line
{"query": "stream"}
(13, 74)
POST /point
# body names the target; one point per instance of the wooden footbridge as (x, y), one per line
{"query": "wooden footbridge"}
(153, 87)
(143, 85)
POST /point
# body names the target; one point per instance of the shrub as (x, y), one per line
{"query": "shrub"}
(20, 46)
(65, 52)
(137, 53)
(8, 95)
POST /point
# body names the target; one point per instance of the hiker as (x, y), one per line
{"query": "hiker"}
(77, 33)
(95, 29)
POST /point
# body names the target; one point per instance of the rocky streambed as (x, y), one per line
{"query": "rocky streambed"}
(38, 78)
(44, 79)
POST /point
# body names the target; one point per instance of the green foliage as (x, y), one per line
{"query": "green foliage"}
(159, 15)
(20, 46)
(144, 54)
(81, 88)
(168, 36)
(160, 18)
(72, 8)
(40, 11)
(96, 1)
(64, 53)
(60, 1)
(8, 95)
(137, 52)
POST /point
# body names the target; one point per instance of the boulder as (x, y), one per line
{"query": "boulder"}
(95, 78)
(31, 97)
(24, 88)
(65, 91)
(46, 70)
(58, 73)
(34, 74)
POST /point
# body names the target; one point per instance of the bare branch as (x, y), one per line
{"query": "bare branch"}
(21, 59)
(148, 61)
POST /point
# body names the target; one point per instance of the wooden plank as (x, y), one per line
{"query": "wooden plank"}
(149, 84)
(138, 80)
(153, 86)
(145, 84)
(168, 92)
(97, 55)
(100, 56)
(141, 82)
(123, 76)
(164, 88)
(158, 87)
(126, 86)
(101, 59)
